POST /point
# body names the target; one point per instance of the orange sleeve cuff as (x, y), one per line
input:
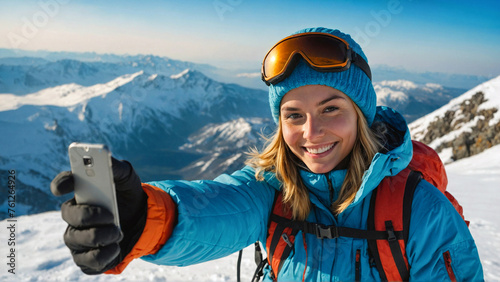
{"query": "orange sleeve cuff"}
(159, 226)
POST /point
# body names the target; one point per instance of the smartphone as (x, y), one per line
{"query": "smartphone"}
(93, 175)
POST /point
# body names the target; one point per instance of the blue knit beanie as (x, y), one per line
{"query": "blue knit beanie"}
(352, 82)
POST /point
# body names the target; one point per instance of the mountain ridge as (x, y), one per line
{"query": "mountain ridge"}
(167, 118)
(143, 115)
(248, 77)
(465, 126)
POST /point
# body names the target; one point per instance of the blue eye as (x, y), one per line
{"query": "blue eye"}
(330, 109)
(293, 116)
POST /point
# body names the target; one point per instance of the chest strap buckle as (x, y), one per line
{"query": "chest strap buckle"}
(330, 232)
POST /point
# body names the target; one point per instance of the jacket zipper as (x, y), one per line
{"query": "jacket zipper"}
(447, 262)
(330, 188)
(357, 266)
(332, 194)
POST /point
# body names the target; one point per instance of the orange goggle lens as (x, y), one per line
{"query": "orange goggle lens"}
(322, 51)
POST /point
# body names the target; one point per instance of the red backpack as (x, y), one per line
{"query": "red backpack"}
(388, 221)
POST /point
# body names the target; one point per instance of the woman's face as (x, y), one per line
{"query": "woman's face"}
(319, 125)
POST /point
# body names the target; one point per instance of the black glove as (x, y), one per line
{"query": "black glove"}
(96, 244)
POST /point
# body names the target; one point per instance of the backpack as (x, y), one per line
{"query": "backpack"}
(388, 221)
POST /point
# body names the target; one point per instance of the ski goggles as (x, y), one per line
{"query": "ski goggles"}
(322, 51)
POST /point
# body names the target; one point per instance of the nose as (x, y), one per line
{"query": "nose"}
(312, 128)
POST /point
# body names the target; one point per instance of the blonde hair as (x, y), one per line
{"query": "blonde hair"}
(277, 158)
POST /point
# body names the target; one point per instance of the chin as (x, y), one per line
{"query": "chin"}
(320, 169)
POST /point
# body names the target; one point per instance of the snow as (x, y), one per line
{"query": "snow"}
(249, 74)
(446, 155)
(474, 182)
(42, 256)
(399, 84)
(207, 164)
(387, 94)
(466, 127)
(65, 95)
(491, 91)
(434, 85)
(233, 159)
(179, 75)
(389, 91)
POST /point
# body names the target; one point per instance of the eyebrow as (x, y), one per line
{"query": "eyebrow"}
(334, 97)
(330, 99)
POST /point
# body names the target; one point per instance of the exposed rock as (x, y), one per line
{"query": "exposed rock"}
(481, 136)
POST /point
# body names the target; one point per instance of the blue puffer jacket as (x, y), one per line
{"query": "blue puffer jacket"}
(219, 217)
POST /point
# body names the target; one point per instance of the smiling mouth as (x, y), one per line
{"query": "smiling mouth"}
(320, 150)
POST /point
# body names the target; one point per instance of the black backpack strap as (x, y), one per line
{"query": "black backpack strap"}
(261, 263)
(259, 260)
(410, 186)
(281, 236)
(397, 253)
(372, 244)
(331, 231)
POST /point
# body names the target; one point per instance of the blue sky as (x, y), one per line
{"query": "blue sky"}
(419, 35)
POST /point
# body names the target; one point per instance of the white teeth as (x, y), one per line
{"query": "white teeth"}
(319, 150)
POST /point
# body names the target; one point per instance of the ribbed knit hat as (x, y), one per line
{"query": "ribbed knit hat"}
(352, 82)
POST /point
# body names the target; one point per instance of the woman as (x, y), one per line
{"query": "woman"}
(331, 150)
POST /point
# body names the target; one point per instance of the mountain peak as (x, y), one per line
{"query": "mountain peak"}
(399, 84)
(179, 75)
(64, 95)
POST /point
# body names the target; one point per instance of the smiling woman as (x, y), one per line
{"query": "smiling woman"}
(321, 126)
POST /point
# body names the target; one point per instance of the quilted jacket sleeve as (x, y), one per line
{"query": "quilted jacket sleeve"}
(215, 218)
(440, 245)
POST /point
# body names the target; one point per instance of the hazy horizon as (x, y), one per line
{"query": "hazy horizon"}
(439, 36)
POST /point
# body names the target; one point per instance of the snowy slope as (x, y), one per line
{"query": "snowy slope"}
(27, 75)
(224, 146)
(474, 181)
(491, 89)
(42, 255)
(64, 95)
(465, 125)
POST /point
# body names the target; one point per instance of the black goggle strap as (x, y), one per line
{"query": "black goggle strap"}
(362, 64)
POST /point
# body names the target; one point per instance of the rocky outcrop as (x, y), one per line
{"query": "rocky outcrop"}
(473, 125)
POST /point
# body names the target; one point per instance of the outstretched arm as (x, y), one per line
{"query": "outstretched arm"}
(215, 218)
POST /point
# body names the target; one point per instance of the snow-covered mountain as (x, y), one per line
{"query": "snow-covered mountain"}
(411, 99)
(465, 126)
(42, 255)
(462, 81)
(247, 76)
(165, 116)
(30, 74)
(143, 118)
(224, 146)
